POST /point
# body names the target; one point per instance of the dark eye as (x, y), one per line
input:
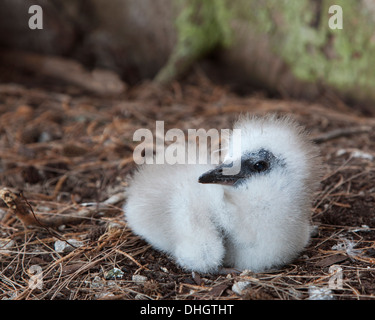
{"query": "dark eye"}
(261, 166)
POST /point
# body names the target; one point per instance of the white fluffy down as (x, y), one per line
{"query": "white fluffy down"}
(263, 223)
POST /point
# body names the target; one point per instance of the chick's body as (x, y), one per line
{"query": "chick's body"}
(257, 221)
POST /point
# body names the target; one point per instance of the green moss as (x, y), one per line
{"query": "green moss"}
(302, 42)
(297, 30)
(339, 58)
(202, 26)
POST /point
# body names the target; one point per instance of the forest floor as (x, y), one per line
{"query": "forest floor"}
(65, 156)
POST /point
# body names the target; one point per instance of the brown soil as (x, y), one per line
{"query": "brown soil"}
(63, 148)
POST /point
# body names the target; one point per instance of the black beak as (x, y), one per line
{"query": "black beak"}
(234, 173)
(220, 176)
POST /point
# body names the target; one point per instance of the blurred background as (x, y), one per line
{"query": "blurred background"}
(285, 48)
(73, 93)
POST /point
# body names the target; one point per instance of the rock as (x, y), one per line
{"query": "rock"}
(64, 246)
(114, 273)
(240, 286)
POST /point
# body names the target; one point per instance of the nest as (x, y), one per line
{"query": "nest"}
(65, 158)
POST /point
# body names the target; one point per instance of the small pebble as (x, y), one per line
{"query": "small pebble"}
(240, 286)
(63, 246)
(114, 274)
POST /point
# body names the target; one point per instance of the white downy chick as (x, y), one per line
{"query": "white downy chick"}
(256, 219)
